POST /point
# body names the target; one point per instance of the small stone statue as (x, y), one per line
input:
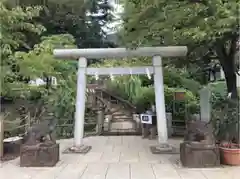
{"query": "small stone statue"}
(39, 148)
(40, 134)
(199, 149)
(199, 131)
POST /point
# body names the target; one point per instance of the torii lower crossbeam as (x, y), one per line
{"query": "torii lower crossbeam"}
(120, 70)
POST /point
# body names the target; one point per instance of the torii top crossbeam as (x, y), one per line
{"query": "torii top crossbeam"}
(169, 51)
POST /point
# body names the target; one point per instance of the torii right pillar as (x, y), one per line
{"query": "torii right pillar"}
(163, 146)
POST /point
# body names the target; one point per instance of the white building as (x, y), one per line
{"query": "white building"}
(40, 82)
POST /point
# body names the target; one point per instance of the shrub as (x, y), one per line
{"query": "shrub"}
(144, 96)
(177, 79)
(219, 92)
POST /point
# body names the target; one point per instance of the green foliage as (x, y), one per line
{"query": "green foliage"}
(176, 21)
(219, 92)
(39, 62)
(14, 23)
(225, 113)
(144, 96)
(190, 104)
(27, 55)
(175, 78)
(80, 18)
(225, 117)
(208, 28)
(132, 88)
(144, 99)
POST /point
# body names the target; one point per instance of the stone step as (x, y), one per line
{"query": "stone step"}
(122, 120)
(122, 125)
(122, 130)
(121, 113)
(121, 116)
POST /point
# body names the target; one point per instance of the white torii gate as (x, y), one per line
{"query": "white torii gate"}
(156, 52)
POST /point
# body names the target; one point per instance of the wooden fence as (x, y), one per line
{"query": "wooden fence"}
(8, 127)
(1, 136)
(13, 128)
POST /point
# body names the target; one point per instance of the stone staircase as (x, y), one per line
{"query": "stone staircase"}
(119, 118)
(122, 121)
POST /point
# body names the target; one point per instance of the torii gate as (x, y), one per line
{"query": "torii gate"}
(155, 52)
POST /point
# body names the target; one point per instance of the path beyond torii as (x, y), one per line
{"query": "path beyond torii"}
(116, 157)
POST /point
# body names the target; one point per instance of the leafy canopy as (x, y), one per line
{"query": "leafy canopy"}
(15, 23)
(179, 22)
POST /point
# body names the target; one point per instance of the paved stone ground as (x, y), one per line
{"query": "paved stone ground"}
(120, 157)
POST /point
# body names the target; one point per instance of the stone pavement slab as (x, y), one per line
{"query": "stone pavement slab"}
(116, 157)
(119, 148)
(234, 172)
(165, 171)
(73, 171)
(147, 157)
(219, 173)
(110, 157)
(190, 174)
(129, 157)
(95, 171)
(92, 157)
(118, 171)
(49, 173)
(142, 171)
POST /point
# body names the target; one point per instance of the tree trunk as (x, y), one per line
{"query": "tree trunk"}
(227, 61)
(231, 80)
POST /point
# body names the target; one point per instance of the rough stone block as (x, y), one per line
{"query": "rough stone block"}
(39, 156)
(198, 155)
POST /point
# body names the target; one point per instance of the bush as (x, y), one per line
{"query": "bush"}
(174, 78)
(219, 92)
(144, 96)
(181, 109)
(225, 117)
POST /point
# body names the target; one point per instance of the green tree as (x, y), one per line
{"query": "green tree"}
(40, 63)
(15, 23)
(206, 27)
(82, 19)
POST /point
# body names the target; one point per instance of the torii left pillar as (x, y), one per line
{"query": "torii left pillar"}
(78, 146)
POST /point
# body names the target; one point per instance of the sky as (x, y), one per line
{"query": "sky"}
(117, 10)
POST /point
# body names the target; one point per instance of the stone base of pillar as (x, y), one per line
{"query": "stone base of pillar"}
(164, 149)
(83, 149)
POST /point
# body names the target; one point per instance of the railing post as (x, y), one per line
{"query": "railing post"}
(1, 135)
(138, 122)
(100, 121)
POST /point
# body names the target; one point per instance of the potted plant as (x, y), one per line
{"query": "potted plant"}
(228, 130)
